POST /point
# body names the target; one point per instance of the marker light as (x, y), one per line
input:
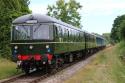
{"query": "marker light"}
(37, 57)
(47, 46)
(44, 62)
(31, 47)
(49, 56)
(23, 57)
(16, 47)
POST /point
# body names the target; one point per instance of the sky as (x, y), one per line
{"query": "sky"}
(96, 15)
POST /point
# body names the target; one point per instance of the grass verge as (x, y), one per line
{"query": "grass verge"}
(7, 68)
(107, 67)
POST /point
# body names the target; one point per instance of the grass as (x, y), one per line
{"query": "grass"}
(7, 68)
(107, 67)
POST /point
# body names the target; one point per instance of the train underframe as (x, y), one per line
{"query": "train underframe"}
(46, 64)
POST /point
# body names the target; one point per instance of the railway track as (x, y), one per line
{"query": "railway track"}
(36, 77)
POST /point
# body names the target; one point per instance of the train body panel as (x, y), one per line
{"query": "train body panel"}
(67, 47)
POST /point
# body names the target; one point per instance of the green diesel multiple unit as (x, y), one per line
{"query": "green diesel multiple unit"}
(39, 40)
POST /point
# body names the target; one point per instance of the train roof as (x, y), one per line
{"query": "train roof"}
(98, 36)
(41, 19)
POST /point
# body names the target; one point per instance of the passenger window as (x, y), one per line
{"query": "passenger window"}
(60, 31)
(56, 31)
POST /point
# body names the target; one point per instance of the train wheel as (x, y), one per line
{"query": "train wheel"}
(38, 68)
(25, 67)
(26, 70)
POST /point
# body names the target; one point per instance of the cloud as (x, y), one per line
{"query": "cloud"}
(101, 7)
(104, 6)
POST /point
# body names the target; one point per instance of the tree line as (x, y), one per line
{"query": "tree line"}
(118, 29)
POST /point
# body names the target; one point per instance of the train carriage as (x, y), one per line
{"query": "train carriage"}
(100, 42)
(40, 41)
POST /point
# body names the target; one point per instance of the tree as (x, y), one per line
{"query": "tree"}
(107, 37)
(9, 10)
(66, 11)
(116, 30)
(122, 30)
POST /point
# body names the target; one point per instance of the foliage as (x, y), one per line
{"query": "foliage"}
(107, 37)
(122, 30)
(116, 33)
(7, 70)
(121, 48)
(9, 10)
(66, 11)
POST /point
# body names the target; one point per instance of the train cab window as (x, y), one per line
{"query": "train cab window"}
(41, 32)
(32, 32)
(21, 32)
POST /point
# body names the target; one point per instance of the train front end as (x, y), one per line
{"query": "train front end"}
(31, 43)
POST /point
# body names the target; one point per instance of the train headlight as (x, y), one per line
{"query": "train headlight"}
(47, 46)
(31, 47)
(44, 62)
(16, 47)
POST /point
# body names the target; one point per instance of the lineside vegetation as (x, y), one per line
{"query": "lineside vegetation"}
(7, 68)
(107, 67)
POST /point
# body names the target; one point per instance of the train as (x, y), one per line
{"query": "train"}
(42, 42)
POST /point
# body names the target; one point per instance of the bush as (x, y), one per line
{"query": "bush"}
(121, 48)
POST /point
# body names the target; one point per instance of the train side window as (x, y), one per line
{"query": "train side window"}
(60, 31)
(68, 35)
(64, 36)
(67, 31)
(76, 36)
(72, 39)
(55, 31)
(79, 37)
(83, 38)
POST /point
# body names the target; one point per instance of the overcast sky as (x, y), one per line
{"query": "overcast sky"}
(97, 15)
